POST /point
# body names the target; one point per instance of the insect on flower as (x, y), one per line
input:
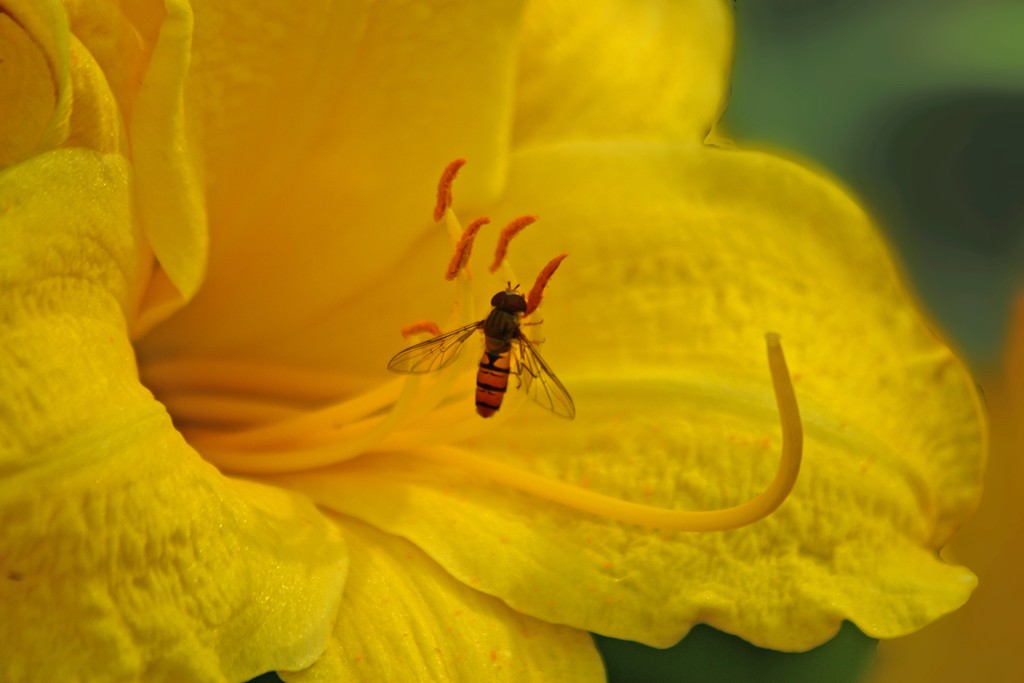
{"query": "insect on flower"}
(506, 349)
(504, 342)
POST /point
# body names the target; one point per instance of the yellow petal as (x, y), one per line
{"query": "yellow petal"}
(56, 93)
(680, 259)
(403, 618)
(165, 158)
(115, 43)
(616, 69)
(75, 84)
(123, 554)
(324, 132)
(95, 118)
(35, 78)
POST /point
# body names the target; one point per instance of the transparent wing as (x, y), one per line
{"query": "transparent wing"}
(540, 382)
(435, 353)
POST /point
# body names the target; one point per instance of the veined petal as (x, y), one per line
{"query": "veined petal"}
(617, 69)
(324, 131)
(682, 257)
(404, 618)
(123, 554)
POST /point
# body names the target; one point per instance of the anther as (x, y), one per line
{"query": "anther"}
(420, 327)
(537, 291)
(444, 188)
(464, 248)
(507, 233)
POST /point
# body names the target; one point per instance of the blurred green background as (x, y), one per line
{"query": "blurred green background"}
(917, 107)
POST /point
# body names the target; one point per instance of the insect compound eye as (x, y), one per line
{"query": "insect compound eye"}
(515, 303)
(509, 301)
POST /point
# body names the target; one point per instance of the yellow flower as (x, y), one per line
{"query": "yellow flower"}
(982, 641)
(232, 203)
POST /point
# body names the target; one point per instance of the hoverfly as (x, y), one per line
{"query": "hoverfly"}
(502, 335)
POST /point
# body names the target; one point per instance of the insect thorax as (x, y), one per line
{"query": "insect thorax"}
(500, 328)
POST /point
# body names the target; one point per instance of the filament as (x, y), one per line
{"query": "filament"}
(347, 442)
(299, 428)
(248, 378)
(230, 411)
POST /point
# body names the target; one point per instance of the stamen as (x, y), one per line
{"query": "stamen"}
(246, 378)
(507, 233)
(643, 515)
(464, 248)
(533, 299)
(209, 410)
(305, 426)
(444, 188)
(420, 327)
(353, 440)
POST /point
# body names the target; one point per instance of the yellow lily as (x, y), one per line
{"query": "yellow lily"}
(982, 640)
(231, 202)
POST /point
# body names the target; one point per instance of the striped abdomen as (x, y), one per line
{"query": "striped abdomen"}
(491, 382)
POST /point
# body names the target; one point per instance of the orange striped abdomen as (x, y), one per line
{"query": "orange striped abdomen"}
(491, 382)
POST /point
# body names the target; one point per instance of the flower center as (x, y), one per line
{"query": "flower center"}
(419, 414)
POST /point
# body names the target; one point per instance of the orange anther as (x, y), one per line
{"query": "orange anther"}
(444, 188)
(507, 233)
(464, 248)
(537, 291)
(427, 326)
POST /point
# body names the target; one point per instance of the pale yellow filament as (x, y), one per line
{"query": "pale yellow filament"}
(348, 442)
(190, 375)
(308, 423)
(220, 411)
(449, 424)
(463, 314)
(633, 513)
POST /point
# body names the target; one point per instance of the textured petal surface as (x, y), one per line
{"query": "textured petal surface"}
(404, 618)
(615, 69)
(123, 555)
(682, 257)
(324, 132)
